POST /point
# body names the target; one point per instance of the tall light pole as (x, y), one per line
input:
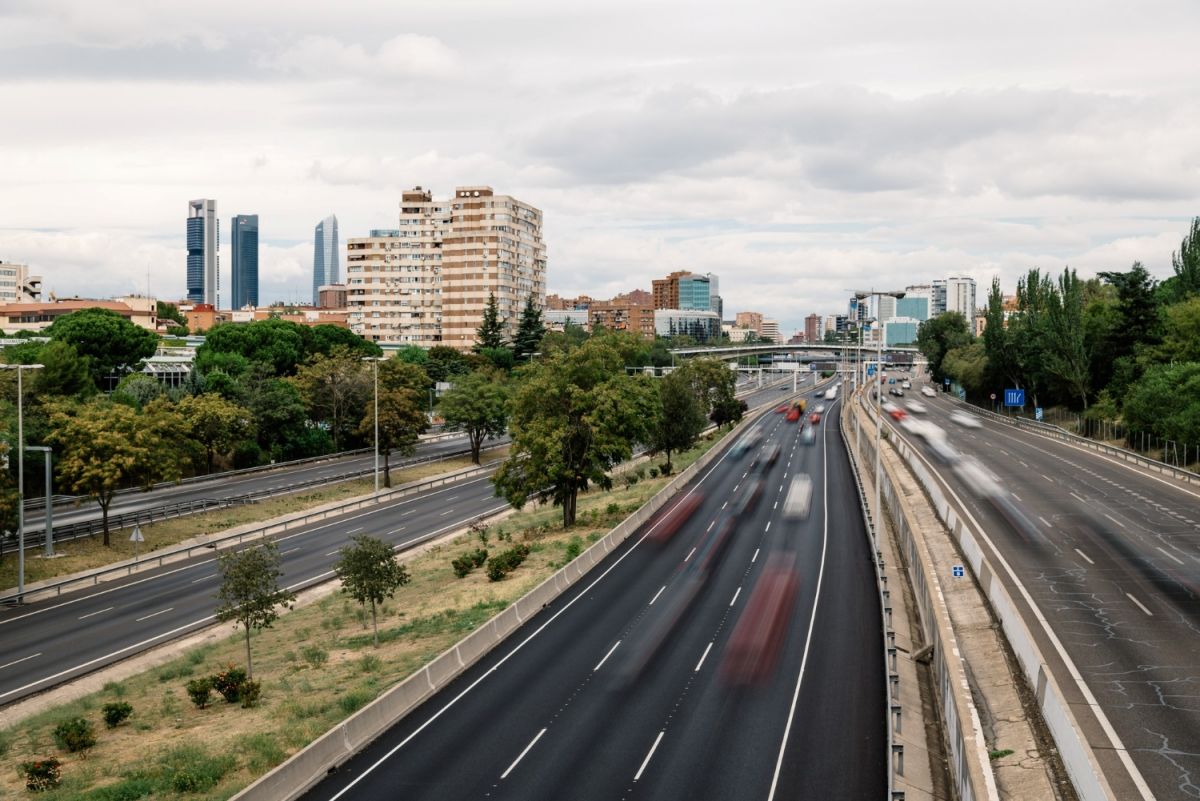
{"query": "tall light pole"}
(375, 360)
(861, 295)
(20, 368)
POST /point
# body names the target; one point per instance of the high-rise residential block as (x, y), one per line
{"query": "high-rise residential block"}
(812, 328)
(17, 285)
(428, 282)
(325, 255)
(960, 296)
(203, 252)
(688, 292)
(243, 243)
(770, 331)
(749, 319)
(699, 324)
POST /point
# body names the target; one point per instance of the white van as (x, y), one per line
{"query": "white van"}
(799, 498)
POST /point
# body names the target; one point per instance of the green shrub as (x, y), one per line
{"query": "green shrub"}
(507, 561)
(189, 769)
(250, 692)
(262, 752)
(630, 479)
(653, 472)
(479, 556)
(370, 664)
(74, 735)
(115, 712)
(613, 508)
(574, 548)
(355, 700)
(314, 655)
(200, 691)
(41, 774)
(462, 566)
(177, 671)
(115, 688)
(125, 790)
(229, 683)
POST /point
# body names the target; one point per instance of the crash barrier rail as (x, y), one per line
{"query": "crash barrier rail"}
(894, 713)
(970, 768)
(1073, 747)
(158, 558)
(1054, 432)
(86, 528)
(40, 503)
(293, 777)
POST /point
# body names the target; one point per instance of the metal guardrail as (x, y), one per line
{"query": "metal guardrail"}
(159, 558)
(1054, 432)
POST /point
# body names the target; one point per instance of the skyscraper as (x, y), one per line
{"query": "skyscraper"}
(243, 241)
(325, 255)
(203, 259)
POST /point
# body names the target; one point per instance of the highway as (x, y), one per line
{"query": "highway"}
(45, 643)
(1110, 558)
(650, 678)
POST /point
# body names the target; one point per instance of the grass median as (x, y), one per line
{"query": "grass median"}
(89, 553)
(317, 666)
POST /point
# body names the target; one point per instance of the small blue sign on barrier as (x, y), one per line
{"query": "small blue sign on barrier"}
(1037, 413)
(1014, 397)
(958, 571)
(870, 370)
(946, 381)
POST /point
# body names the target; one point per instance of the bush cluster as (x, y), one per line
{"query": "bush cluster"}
(74, 735)
(200, 691)
(41, 774)
(506, 562)
(464, 564)
(229, 683)
(115, 712)
(233, 685)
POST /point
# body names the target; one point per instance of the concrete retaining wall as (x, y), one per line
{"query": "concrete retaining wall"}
(292, 778)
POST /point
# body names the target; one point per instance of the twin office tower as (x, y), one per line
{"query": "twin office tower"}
(204, 261)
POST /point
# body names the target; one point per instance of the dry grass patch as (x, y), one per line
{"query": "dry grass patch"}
(317, 666)
(88, 553)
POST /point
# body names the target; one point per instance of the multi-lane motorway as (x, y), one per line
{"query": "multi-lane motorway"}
(740, 657)
(1105, 564)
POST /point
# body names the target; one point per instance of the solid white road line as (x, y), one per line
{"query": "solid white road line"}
(724, 504)
(333, 553)
(689, 556)
(19, 661)
(1085, 556)
(1170, 555)
(655, 598)
(768, 528)
(1115, 520)
(1076, 497)
(606, 656)
(101, 612)
(154, 614)
(1140, 605)
(521, 756)
(703, 656)
(754, 558)
(209, 577)
(1047, 478)
(736, 593)
(646, 761)
(710, 526)
(1045, 522)
(355, 530)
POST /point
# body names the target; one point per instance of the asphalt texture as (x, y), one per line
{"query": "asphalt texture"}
(1110, 558)
(632, 685)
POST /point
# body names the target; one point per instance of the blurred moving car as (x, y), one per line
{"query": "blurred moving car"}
(965, 420)
(814, 418)
(799, 498)
(782, 409)
(772, 457)
(928, 392)
(675, 517)
(916, 407)
(808, 436)
(757, 638)
(820, 408)
(907, 385)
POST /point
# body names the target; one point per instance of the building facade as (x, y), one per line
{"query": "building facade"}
(139, 310)
(915, 307)
(394, 282)
(243, 244)
(332, 296)
(701, 325)
(325, 255)
(203, 254)
(960, 296)
(17, 285)
(900, 331)
(559, 319)
(812, 328)
(770, 330)
(621, 314)
(749, 319)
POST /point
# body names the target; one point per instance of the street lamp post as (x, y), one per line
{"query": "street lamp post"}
(20, 368)
(375, 360)
(861, 295)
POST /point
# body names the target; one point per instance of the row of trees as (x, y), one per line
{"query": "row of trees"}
(1121, 347)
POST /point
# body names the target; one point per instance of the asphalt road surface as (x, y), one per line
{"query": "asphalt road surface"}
(740, 658)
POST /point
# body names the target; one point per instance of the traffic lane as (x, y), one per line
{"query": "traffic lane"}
(87, 629)
(547, 653)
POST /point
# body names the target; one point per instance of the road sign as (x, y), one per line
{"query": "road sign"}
(136, 536)
(870, 370)
(993, 396)
(957, 571)
(1014, 397)
(1037, 413)
(946, 381)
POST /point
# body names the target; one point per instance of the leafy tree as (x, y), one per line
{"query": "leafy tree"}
(941, 334)
(101, 447)
(250, 591)
(530, 331)
(710, 380)
(370, 573)
(1138, 307)
(335, 389)
(444, 362)
(398, 374)
(574, 417)
(968, 365)
(413, 355)
(1186, 264)
(232, 347)
(681, 417)
(216, 424)
(169, 311)
(325, 339)
(178, 330)
(1166, 402)
(572, 336)
(401, 421)
(1068, 353)
(137, 389)
(490, 333)
(478, 405)
(1181, 333)
(728, 409)
(110, 343)
(64, 372)
(499, 358)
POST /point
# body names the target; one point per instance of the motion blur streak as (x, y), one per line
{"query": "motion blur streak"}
(753, 650)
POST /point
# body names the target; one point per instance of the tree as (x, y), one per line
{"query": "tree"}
(1186, 264)
(110, 343)
(1138, 308)
(968, 365)
(397, 374)
(1166, 402)
(401, 422)
(1068, 353)
(413, 355)
(169, 311)
(1181, 333)
(478, 405)
(250, 590)
(572, 336)
(574, 417)
(233, 347)
(443, 363)
(728, 409)
(64, 372)
(490, 333)
(710, 380)
(681, 417)
(335, 388)
(281, 420)
(325, 339)
(216, 424)
(101, 447)
(137, 389)
(530, 331)
(369, 573)
(941, 334)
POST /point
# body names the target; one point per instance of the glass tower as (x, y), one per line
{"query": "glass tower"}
(244, 244)
(325, 255)
(202, 251)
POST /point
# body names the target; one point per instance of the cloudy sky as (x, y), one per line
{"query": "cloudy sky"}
(797, 149)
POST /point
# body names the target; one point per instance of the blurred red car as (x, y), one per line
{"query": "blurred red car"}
(782, 409)
(793, 415)
(814, 418)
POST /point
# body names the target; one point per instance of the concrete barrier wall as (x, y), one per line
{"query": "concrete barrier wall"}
(292, 778)
(1076, 753)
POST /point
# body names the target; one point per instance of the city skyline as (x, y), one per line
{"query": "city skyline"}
(763, 147)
